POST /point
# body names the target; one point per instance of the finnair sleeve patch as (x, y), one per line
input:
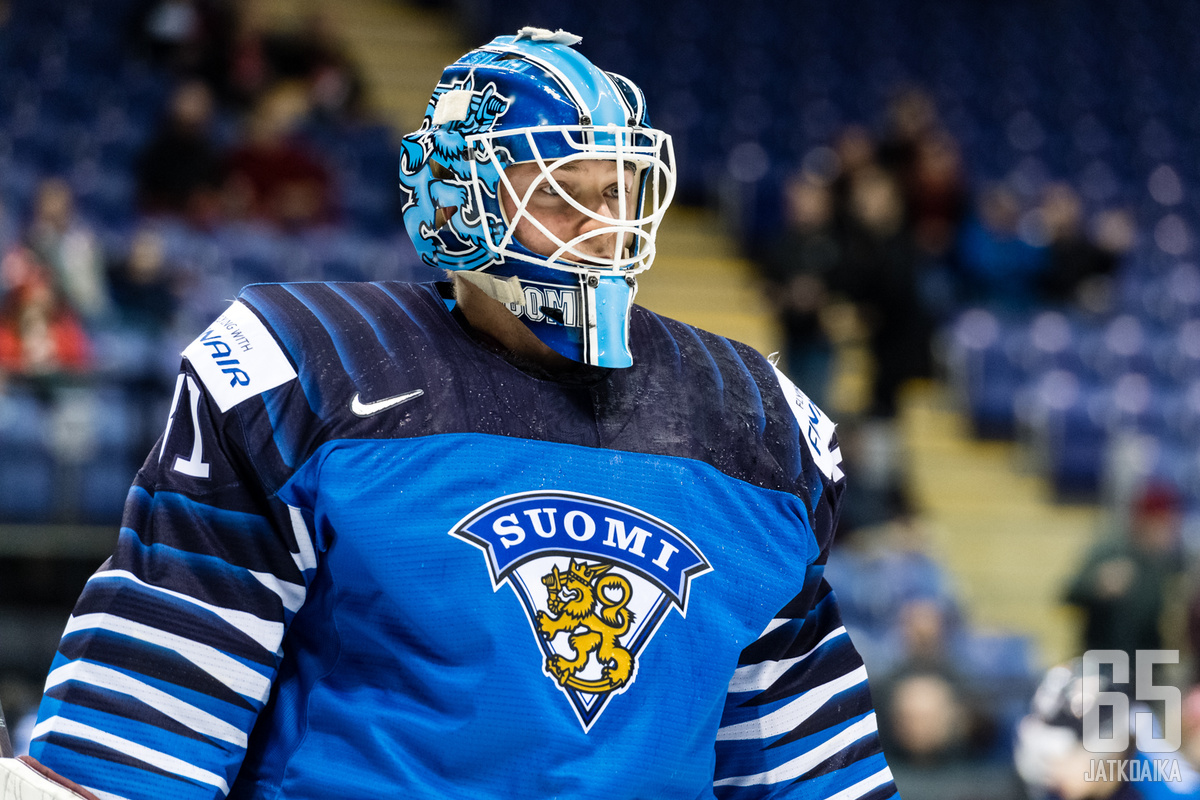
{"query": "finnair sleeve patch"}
(815, 428)
(237, 358)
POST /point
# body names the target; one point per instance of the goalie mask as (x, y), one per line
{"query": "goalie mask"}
(561, 237)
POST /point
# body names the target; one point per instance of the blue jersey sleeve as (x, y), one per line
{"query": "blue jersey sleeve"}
(798, 719)
(171, 650)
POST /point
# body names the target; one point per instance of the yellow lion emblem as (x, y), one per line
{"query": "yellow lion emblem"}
(591, 606)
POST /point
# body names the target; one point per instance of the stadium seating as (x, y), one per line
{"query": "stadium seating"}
(1032, 91)
(27, 466)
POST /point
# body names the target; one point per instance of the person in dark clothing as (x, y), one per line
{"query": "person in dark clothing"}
(1075, 263)
(315, 55)
(798, 268)
(1000, 267)
(879, 276)
(274, 177)
(180, 173)
(191, 38)
(1122, 584)
(142, 291)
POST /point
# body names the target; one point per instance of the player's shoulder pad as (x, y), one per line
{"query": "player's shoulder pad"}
(815, 428)
(237, 357)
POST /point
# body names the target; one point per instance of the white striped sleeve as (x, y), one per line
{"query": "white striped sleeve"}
(798, 716)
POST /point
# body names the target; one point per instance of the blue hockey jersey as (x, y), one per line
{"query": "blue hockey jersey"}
(370, 556)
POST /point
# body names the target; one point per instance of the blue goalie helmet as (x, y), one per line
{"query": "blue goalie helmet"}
(579, 133)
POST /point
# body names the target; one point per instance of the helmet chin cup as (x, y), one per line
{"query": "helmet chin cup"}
(608, 302)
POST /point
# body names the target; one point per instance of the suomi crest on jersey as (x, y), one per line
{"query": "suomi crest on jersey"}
(596, 579)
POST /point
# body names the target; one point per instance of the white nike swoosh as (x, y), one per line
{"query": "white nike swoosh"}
(367, 409)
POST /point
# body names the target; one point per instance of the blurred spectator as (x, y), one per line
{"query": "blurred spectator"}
(142, 290)
(879, 275)
(192, 38)
(937, 739)
(274, 177)
(896, 600)
(316, 55)
(854, 151)
(180, 171)
(871, 448)
(40, 334)
(937, 194)
(1077, 268)
(1122, 583)
(246, 75)
(892, 211)
(798, 268)
(924, 635)
(1114, 232)
(938, 202)
(912, 118)
(925, 160)
(147, 296)
(924, 719)
(171, 32)
(1001, 266)
(70, 249)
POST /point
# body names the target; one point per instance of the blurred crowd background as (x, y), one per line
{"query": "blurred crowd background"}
(998, 197)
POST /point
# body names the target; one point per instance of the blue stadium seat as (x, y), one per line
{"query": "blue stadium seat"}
(1051, 340)
(1137, 405)
(981, 369)
(119, 153)
(105, 196)
(1168, 461)
(991, 657)
(1175, 353)
(124, 354)
(105, 477)
(371, 210)
(1068, 418)
(341, 255)
(249, 240)
(1123, 345)
(18, 182)
(27, 466)
(1182, 412)
(403, 263)
(1181, 294)
(45, 148)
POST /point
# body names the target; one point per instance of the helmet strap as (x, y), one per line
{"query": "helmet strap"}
(507, 291)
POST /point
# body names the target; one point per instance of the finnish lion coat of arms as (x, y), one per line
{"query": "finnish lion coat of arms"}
(595, 578)
(588, 605)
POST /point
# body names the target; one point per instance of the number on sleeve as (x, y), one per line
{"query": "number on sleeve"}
(194, 465)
